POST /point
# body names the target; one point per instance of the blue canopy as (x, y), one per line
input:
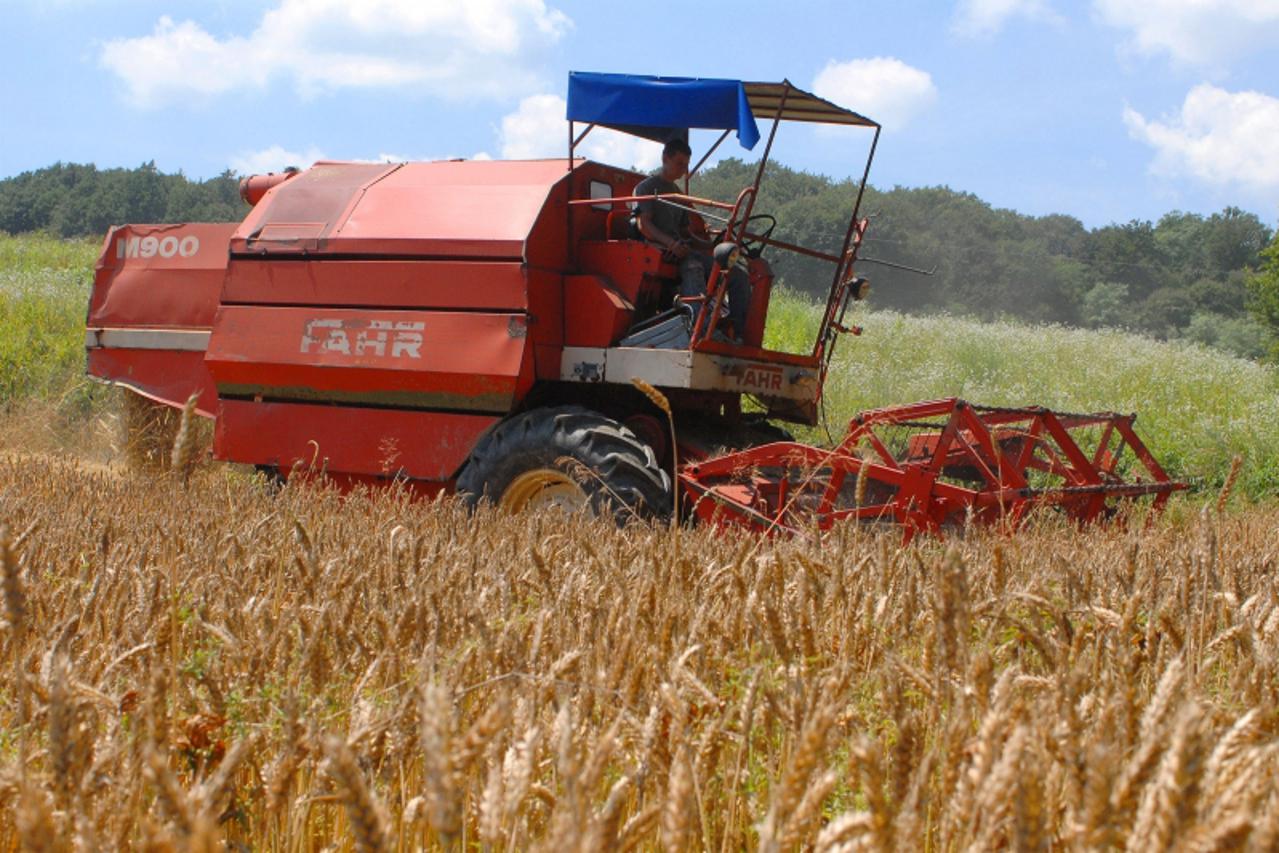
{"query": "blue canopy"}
(660, 108)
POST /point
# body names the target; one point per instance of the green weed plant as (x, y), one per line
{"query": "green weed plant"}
(44, 291)
(1197, 407)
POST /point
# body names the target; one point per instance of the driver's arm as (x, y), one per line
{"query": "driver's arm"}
(644, 218)
(652, 233)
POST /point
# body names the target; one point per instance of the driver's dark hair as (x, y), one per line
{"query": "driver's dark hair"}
(676, 146)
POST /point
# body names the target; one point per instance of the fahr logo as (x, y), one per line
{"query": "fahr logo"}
(151, 246)
(760, 377)
(381, 338)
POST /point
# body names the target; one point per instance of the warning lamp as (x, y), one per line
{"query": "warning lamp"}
(727, 255)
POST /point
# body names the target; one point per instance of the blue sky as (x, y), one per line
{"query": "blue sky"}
(1107, 110)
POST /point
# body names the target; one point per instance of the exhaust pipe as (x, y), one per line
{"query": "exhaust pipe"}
(254, 187)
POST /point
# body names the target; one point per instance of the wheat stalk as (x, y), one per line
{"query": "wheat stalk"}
(1236, 465)
(182, 457)
(659, 399)
(368, 820)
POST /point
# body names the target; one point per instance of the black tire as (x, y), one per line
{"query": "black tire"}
(715, 436)
(617, 472)
(271, 477)
(766, 432)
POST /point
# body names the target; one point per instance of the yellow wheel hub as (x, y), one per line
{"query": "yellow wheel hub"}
(543, 488)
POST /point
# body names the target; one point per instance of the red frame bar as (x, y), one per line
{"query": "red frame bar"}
(991, 452)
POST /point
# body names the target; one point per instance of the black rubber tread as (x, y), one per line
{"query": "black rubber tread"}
(716, 437)
(625, 480)
(766, 432)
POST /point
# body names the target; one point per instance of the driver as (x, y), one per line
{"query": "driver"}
(662, 223)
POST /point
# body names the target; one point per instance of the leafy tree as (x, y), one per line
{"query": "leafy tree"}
(74, 200)
(1234, 239)
(1264, 288)
(1165, 311)
(1243, 336)
(1183, 271)
(1106, 304)
(1226, 296)
(1127, 254)
(1179, 240)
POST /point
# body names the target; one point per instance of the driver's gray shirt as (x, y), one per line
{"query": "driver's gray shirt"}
(664, 215)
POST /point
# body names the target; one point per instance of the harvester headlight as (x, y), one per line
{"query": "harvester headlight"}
(860, 288)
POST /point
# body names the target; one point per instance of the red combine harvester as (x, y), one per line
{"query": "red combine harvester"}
(484, 327)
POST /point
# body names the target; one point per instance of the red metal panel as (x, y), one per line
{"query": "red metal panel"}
(595, 313)
(589, 221)
(415, 359)
(547, 244)
(441, 209)
(627, 263)
(546, 320)
(761, 279)
(347, 440)
(482, 285)
(160, 275)
(163, 375)
(294, 216)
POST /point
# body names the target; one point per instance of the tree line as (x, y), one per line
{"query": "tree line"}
(75, 200)
(1186, 275)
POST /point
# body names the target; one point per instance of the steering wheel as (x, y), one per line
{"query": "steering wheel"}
(754, 247)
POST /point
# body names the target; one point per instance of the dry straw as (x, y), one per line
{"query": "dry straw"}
(1236, 464)
(550, 682)
(149, 431)
(182, 458)
(659, 399)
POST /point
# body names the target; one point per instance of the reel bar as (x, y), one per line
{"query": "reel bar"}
(933, 466)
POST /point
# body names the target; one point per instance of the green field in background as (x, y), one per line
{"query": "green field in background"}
(1198, 407)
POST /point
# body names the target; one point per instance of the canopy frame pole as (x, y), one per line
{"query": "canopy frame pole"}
(763, 161)
(735, 229)
(824, 345)
(576, 142)
(861, 188)
(852, 237)
(705, 157)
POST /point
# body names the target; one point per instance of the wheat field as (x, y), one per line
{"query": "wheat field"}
(203, 664)
(191, 660)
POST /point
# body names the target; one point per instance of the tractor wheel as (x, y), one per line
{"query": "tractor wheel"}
(149, 430)
(569, 458)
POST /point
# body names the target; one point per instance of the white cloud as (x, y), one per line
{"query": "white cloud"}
(450, 49)
(1200, 32)
(274, 159)
(1224, 139)
(538, 129)
(885, 89)
(986, 17)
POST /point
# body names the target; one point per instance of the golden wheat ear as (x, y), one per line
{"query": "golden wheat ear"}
(182, 457)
